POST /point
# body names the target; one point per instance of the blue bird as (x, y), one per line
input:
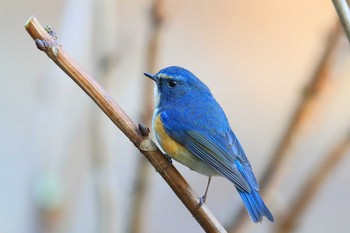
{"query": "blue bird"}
(192, 128)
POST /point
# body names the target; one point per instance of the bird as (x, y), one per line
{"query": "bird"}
(192, 128)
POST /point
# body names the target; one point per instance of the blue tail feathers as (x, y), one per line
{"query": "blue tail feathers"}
(255, 206)
(251, 198)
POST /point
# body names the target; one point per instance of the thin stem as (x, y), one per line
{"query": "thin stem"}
(343, 11)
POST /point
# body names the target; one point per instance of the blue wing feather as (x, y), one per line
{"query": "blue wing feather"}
(209, 144)
(208, 152)
(209, 137)
(241, 156)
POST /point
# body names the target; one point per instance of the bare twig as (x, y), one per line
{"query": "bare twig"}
(343, 11)
(312, 186)
(49, 45)
(318, 81)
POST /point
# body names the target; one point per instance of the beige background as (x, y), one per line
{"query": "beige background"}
(256, 56)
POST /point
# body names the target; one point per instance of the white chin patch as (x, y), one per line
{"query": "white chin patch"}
(156, 95)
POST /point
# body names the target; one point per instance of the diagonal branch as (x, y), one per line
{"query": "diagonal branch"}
(311, 187)
(46, 41)
(314, 88)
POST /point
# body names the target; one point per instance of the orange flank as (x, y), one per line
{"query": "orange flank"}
(179, 152)
(169, 145)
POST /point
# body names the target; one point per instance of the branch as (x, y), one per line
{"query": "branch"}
(310, 188)
(46, 41)
(312, 90)
(308, 100)
(343, 11)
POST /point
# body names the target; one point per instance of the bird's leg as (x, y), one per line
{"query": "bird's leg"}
(204, 197)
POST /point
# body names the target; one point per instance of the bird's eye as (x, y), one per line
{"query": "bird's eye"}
(172, 83)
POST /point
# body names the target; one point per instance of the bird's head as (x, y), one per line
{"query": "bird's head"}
(176, 85)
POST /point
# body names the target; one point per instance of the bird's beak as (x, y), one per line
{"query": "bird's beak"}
(152, 76)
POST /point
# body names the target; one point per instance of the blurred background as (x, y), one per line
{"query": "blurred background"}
(279, 69)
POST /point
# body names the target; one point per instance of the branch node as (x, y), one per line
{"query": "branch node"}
(147, 145)
(51, 32)
(50, 48)
(41, 44)
(144, 130)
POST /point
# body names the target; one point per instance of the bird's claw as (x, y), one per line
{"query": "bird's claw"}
(170, 162)
(169, 159)
(202, 200)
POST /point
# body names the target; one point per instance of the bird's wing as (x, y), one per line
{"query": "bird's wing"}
(212, 148)
(206, 150)
(242, 158)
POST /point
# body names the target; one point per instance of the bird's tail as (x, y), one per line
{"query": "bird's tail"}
(255, 205)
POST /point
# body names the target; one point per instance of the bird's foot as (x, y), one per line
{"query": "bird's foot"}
(166, 166)
(169, 159)
(202, 200)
